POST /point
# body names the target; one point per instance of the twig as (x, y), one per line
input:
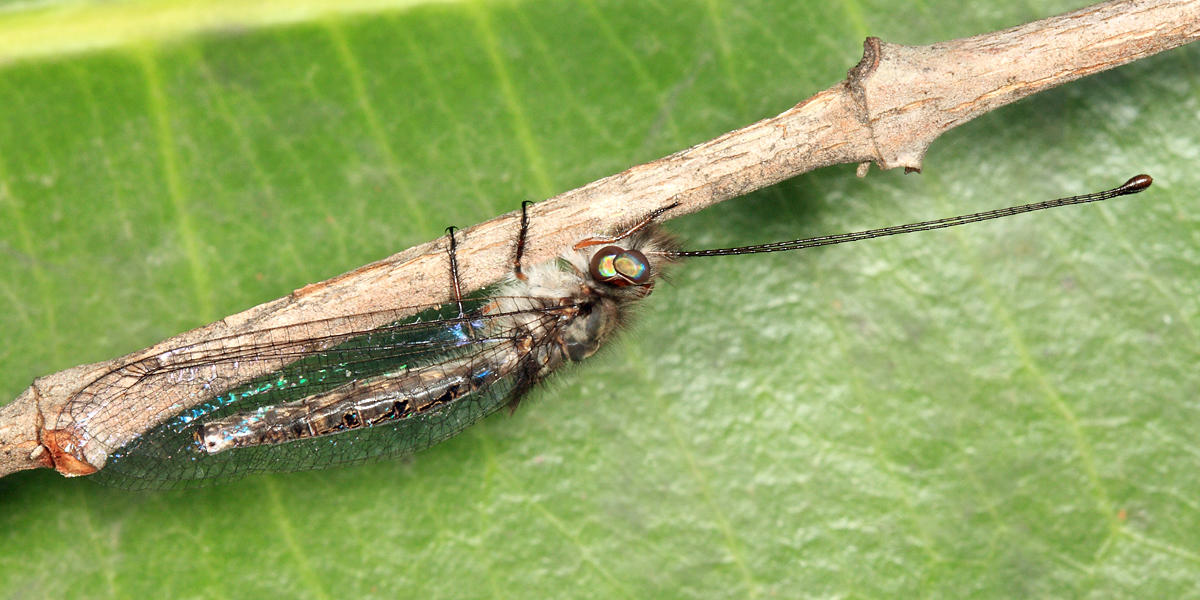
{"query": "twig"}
(889, 109)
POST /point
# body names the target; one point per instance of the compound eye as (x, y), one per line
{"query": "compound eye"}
(619, 267)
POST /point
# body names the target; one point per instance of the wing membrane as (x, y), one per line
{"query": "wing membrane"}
(235, 374)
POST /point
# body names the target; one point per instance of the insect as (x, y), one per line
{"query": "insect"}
(373, 391)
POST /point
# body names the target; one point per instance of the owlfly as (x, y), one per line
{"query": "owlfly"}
(382, 391)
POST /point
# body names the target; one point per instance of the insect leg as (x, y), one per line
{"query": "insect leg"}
(464, 323)
(457, 287)
(597, 241)
(521, 240)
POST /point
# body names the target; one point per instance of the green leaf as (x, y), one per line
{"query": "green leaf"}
(1000, 410)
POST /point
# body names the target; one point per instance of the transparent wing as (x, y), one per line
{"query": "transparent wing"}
(236, 374)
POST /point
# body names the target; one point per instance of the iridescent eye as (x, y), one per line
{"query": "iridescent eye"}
(633, 266)
(603, 267)
(619, 267)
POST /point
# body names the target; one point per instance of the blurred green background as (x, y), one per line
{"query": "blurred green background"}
(999, 410)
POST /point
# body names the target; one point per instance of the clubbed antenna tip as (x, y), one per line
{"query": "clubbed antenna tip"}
(1136, 184)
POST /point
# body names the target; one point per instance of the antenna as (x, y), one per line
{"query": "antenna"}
(1135, 184)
